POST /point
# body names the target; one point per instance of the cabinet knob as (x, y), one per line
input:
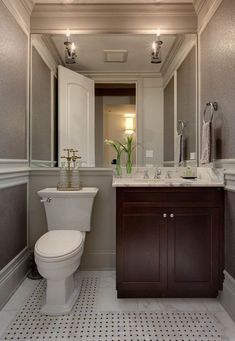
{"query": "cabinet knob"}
(164, 215)
(172, 215)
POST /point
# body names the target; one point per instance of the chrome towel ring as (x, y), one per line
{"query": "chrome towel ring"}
(213, 106)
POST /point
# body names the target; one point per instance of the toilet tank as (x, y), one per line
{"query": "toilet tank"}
(68, 210)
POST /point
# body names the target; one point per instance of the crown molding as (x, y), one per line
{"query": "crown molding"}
(205, 10)
(198, 5)
(45, 47)
(173, 9)
(174, 63)
(111, 1)
(28, 5)
(119, 76)
(174, 50)
(114, 18)
(21, 11)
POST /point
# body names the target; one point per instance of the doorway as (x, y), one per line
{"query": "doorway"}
(115, 118)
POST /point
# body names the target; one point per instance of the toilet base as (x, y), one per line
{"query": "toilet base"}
(61, 295)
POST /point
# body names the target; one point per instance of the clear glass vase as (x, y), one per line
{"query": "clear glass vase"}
(129, 165)
(117, 167)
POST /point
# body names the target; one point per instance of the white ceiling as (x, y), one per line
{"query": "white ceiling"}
(90, 50)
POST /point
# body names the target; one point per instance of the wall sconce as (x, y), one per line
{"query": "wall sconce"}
(129, 124)
(156, 57)
(70, 50)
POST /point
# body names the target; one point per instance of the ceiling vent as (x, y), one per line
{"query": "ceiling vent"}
(115, 56)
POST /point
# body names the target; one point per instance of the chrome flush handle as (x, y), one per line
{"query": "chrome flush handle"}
(46, 200)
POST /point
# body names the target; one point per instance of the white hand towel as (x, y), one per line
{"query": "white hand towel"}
(180, 148)
(206, 142)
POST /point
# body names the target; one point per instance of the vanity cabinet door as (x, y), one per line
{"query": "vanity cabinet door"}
(193, 252)
(141, 252)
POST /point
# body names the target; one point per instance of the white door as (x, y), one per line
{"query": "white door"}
(76, 115)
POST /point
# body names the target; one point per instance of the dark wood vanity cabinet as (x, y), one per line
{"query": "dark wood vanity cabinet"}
(169, 242)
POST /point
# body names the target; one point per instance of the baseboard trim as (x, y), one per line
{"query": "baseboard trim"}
(12, 275)
(227, 296)
(99, 260)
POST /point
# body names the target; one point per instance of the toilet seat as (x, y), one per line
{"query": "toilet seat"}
(58, 245)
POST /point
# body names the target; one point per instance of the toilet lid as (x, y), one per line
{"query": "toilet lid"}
(59, 243)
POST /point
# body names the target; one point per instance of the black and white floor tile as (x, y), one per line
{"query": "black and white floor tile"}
(99, 316)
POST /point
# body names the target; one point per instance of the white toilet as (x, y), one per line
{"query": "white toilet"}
(58, 252)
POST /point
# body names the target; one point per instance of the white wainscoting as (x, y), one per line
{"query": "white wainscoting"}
(15, 271)
(12, 275)
(227, 296)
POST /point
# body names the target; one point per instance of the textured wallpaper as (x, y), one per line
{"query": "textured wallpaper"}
(169, 121)
(13, 213)
(13, 87)
(218, 83)
(186, 100)
(41, 108)
(218, 76)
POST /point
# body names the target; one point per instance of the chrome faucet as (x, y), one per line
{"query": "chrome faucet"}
(146, 174)
(168, 175)
(158, 173)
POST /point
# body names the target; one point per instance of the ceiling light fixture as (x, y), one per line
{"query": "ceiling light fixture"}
(70, 49)
(156, 57)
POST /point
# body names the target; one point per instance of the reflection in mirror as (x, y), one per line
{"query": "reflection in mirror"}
(115, 118)
(108, 86)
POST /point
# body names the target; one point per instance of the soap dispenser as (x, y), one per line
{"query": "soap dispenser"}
(69, 173)
(63, 177)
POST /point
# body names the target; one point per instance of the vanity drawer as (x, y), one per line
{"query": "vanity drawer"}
(166, 197)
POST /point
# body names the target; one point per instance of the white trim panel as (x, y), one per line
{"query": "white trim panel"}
(227, 296)
(12, 275)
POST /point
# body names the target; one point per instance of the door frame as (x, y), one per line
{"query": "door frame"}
(113, 78)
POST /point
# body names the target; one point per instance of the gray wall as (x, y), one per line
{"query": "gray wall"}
(13, 222)
(186, 100)
(218, 83)
(218, 75)
(14, 64)
(41, 108)
(13, 87)
(100, 245)
(169, 121)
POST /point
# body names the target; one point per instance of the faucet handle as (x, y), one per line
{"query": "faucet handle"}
(146, 174)
(158, 173)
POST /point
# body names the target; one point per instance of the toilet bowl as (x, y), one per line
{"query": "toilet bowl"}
(58, 252)
(58, 255)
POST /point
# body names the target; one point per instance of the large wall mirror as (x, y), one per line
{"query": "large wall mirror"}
(89, 88)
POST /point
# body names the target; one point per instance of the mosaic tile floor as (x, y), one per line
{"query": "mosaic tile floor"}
(96, 318)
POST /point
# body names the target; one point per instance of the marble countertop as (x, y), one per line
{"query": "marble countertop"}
(127, 182)
(206, 177)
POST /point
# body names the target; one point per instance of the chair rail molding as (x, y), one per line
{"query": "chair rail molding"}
(224, 163)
